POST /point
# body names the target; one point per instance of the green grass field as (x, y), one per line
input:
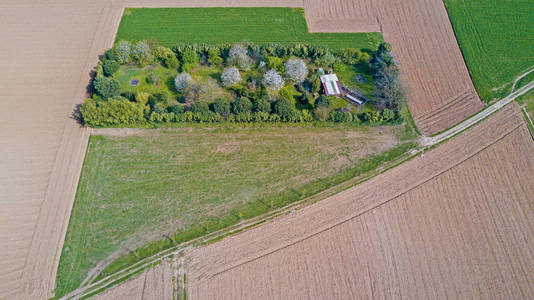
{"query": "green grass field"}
(527, 103)
(497, 41)
(231, 25)
(134, 189)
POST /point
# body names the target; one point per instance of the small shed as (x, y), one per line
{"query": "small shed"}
(331, 85)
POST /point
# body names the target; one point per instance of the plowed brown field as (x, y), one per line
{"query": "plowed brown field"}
(440, 90)
(457, 222)
(48, 51)
(153, 284)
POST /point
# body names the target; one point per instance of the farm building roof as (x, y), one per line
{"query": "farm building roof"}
(331, 84)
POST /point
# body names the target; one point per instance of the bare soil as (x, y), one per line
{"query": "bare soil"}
(456, 222)
(154, 283)
(440, 91)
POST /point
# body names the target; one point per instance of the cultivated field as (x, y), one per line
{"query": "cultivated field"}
(154, 283)
(148, 184)
(441, 93)
(49, 51)
(456, 222)
(232, 25)
(496, 41)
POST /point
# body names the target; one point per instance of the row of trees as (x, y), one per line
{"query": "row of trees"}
(120, 113)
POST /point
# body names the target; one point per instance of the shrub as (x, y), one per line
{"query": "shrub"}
(273, 80)
(323, 101)
(365, 58)
(189, 60)
(242, 105)
(286, 110)
(222, 107)
(326, 60)
(275, 63)
(322, 113)
(109, 67)
(107, 87)
(177, 108)
(230, 76)
(166, 57)
(238, 56)
(351, 56)
(262, 105)
(243, 117)
(159, 107)
(123, 50)
(199, 107)
(315, 84)
(288, 92)
(214, 58)
(142, 97)
(260, 116)
(372, 117)
(181, 81)
(142, 54)
(341, 116)
(387, 115)
(296, 70)
(112, 113)
(110, 55)
(157, 98)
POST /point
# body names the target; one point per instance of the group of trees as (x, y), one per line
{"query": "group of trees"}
(288, 91)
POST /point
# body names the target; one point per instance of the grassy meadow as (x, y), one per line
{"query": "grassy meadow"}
(232, 25)
(188, 182)
(497, 41)
(527, 104)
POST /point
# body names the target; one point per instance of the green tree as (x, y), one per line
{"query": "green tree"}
(262, 105)
(242, 105)
(223, 107)
(110, 67)
(286, 110)
(199, 107)
(107, 87)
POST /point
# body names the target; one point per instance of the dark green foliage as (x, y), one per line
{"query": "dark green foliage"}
(110, 55)
(199, 107)
(112, 113)
(110, 67)
(129, 95)
(286, 110)
(157, 98)
(372, 117)
(242, 105)
(323, 101)
(190, 60)
(177, 108)
(262, 105)
(315, 83)
(341, 116)
(107, 87)
(223, 107)
(351, 56)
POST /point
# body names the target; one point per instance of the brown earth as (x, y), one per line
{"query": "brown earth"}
(457, 222)
(440, 91)
(152, 284)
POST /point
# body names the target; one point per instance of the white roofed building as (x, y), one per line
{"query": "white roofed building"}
(331, 85)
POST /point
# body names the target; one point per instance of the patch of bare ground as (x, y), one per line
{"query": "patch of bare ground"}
(457, 222)
(440, 91)
(154, 283)
(49, 50)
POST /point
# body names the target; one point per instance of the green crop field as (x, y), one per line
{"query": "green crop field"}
(231, 25)
(497, 41)
(135, 188)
